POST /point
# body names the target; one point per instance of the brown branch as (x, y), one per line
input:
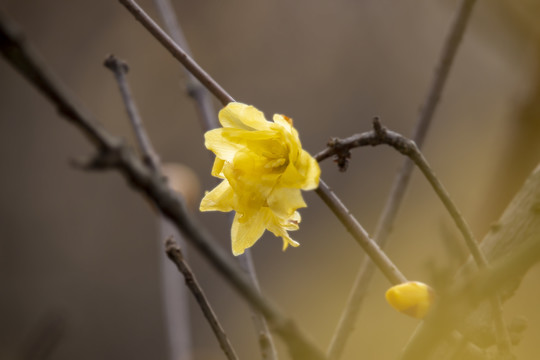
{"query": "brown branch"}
(175, 254)
(113, 155)
(379, 136)
(120, 69)
(175, 323)
(401, 182)
(177, 51)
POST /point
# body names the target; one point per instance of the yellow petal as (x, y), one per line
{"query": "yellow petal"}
(279, 226)
(309, 169)
(291, 178)
(219, 199)
(242, 116)
(215, 141)
(217, 168)
(285, 201)
(412, 298)
(247, 229)
(283, 121)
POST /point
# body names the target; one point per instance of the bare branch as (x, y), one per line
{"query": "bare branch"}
(113, 155)
(120, 69)
(378, 256)
(175, 254)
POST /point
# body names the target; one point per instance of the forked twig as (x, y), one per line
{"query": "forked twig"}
(114, 155)
(381, 135)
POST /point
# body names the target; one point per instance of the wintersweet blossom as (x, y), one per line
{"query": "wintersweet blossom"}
(412, 298)
(263, 167)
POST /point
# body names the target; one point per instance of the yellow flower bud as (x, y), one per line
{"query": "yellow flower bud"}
(412, 298)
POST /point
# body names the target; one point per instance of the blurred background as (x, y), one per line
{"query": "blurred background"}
(79, 252)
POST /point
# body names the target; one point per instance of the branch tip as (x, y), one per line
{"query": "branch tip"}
(380, 130)
(116, 65)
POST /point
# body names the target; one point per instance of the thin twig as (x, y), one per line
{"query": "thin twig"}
(391, 272)
(208, 120)
(343, 214)
(175, 254)
(177, 51)
(401, 182)
(120, 69)
(177, 327)
(113, 155)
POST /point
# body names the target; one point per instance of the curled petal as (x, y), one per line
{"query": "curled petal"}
(279, 226)
(217, 168)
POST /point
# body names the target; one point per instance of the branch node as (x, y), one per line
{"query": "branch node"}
(104, 159)
(341, 151)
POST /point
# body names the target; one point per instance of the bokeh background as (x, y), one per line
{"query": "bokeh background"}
(79, 252)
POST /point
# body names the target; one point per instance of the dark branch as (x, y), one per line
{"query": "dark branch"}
(378, 256)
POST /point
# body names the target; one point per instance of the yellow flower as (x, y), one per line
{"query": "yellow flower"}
(263, 167)
(412, 298)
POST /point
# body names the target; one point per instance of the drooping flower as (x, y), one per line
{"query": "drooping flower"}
(412, 298)
(263, 167)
